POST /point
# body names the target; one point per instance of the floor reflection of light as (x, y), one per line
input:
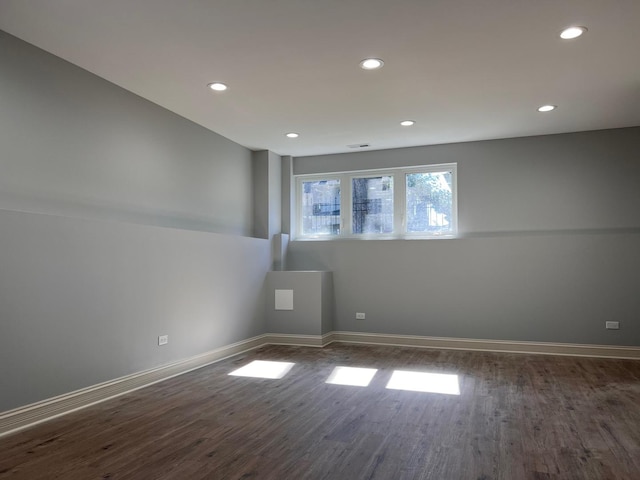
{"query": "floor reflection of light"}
(358, 377)
(424, 382)
(263, 369)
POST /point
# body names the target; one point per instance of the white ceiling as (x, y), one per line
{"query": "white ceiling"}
(463, 69)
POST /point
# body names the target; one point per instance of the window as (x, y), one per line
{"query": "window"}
(320, 207)
(372, 204)
(416, 202)
(429, 202)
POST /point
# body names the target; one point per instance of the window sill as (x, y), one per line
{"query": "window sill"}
(336, 238)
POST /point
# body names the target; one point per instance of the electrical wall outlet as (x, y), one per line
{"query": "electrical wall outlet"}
(163, 339)
(612, 325)
(360, 316)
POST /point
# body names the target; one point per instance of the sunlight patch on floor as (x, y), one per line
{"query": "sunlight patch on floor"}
(424, 382)
(263, 369)
(355, 376)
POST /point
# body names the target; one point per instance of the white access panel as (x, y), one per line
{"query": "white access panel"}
(284, 299)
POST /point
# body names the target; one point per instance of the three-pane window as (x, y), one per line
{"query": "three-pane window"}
(392, 203)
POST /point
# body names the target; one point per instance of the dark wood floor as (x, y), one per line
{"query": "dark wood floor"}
(517, 417)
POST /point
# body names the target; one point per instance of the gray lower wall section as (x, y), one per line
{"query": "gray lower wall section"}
(83, 301)
(313, 305)
(548, 288)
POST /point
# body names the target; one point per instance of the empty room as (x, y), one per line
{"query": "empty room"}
(319, 240)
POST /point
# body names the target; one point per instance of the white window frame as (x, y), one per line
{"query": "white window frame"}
(349, 211)
(399, 201)
(298, 206)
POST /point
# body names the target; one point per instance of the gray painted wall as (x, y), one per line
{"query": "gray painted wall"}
(312, 312)
(267, 198)
(549, 247)
(586, 180)
(88, 278)
(73, 144)
(288, 193)
(260, 172)
(275, 194)
(83, 301)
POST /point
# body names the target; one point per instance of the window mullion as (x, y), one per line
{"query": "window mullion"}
(345, 181)
(398, 203)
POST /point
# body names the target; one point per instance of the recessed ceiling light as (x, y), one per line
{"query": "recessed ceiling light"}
(546, 108)
(407, 123)
(572, 32)
(371, 63)
(217, 86)
(292, 135)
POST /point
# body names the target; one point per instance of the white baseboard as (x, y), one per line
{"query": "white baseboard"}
(27, 416)
(299, 340)
(504, 346)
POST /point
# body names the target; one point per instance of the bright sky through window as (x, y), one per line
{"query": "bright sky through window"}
(263, 369)
(355, 376)
(424, 382)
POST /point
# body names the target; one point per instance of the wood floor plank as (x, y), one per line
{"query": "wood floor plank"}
(517, 417)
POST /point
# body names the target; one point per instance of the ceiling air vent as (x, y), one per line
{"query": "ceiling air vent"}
(359, 145)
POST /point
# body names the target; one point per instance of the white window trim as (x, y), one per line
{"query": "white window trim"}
(349, 205)
(298, 211)
(399, 200)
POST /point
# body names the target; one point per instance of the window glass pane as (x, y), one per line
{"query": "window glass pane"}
(321, 207)
(429, 203)
(372, 204)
